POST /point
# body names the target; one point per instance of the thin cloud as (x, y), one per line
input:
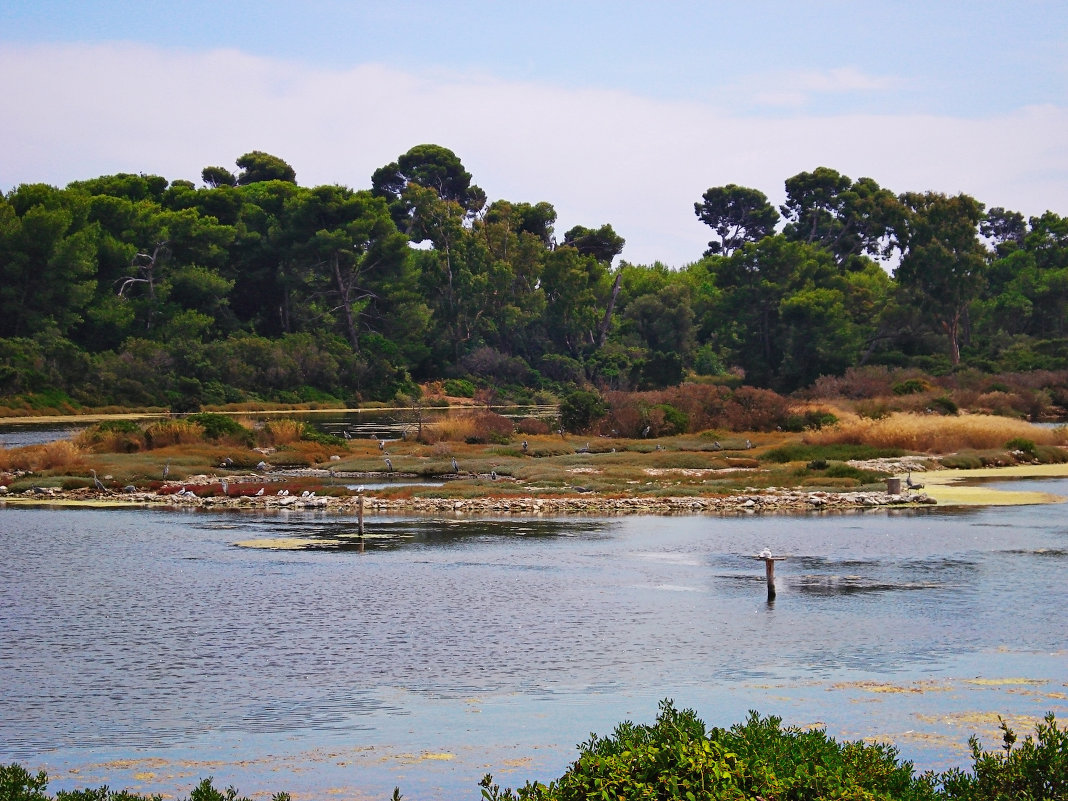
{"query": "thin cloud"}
(77, 111)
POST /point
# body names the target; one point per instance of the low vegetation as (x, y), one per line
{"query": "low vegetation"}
(679, 757)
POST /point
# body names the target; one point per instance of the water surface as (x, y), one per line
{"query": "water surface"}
(145, 650)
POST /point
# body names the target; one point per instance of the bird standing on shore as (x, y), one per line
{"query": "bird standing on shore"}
(96, 481)
(912, 485)
(455, 465)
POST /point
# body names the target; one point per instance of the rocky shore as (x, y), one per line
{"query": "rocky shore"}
(770, 500)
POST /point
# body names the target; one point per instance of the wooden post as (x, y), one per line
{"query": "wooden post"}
(769, 568)
(359, 513)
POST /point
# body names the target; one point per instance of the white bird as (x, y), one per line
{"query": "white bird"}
(359, 490)
(305, 494)
(225, 487)
(524, 446)
(493, 475)
(748, 444)
(765, 554)
(260, 491)
(381, 444)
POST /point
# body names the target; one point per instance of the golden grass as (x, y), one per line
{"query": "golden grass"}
(59, 455)
(283, 432)
(478, 425)
(934, 433)
(173, 432)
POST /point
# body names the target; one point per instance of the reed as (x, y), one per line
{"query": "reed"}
(51, 456)
(173, 432)
(934, 433)
(478, 426)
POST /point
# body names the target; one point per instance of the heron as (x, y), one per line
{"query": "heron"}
(765, 554)
(40, 490)
(525, 446)
(225, 487)
(389, 464)
(381, 444)
(359, 490)
(748, 444)
(261, 465)
(584, 449)
(910, 483)
(129, 488)
(716, 446)
(96, 481)
(659, 447)
(646, 430)
(345, 433)
(227, 462)
(493, 475)
(166, 470)
(455, 465)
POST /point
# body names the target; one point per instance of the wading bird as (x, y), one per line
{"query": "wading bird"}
(455, 466)
(96, 481)
(166, 470)
(910, 483)
(525, 446)
(389, 464)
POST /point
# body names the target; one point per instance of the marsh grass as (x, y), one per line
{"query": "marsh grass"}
(173, 432)
(51, 456)
(476, 426)
(933, 434)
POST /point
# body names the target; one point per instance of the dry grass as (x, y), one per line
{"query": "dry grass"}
(283, 432)
(52, 456)
(173, 432)
(934, 433)
(474, 426)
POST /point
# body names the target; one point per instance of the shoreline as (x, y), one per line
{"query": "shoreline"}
(939, 487)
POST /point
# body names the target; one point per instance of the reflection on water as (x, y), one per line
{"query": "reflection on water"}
(19, 434)
(131, 630)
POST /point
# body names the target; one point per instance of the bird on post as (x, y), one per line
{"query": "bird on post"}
(765, 554)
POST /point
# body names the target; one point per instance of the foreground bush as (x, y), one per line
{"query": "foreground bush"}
(677, 757)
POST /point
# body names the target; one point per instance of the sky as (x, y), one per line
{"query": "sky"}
(615, 112)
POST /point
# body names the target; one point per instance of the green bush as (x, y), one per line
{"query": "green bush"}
(459, 388)
(945, 404)
(679, 758)
(911, 386)
(580, 409)
(219, 425)
(17, 784)
(1021, 444)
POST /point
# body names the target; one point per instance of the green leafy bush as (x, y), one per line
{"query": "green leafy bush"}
(911, 386)
(581, 409)
(459, 388)
(218, 425)
(1021, 444)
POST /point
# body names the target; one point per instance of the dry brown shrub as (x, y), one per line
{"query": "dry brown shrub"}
(532, 426)
(998, 402)
(934, 433)
(753, 409)
(172, 432)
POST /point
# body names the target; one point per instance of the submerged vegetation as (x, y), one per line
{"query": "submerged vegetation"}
(679, 757)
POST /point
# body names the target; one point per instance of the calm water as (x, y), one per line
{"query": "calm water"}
(145, 649)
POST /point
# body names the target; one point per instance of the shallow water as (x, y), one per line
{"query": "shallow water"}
(142, 649)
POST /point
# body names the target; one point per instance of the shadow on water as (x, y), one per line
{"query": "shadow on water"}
(402, 533)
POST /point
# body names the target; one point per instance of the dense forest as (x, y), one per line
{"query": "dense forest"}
(136, 290)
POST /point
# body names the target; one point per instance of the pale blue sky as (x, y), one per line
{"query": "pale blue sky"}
(620, 112)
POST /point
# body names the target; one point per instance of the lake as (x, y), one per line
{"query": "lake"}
(146, 650)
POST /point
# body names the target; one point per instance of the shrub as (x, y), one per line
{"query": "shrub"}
(532, 425)
(459, 388)
(218, 425)
(1021, 444)
(911, 386)
(945, 404)
(581, 409)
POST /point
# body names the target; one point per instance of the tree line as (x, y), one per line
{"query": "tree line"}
(138, 290)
